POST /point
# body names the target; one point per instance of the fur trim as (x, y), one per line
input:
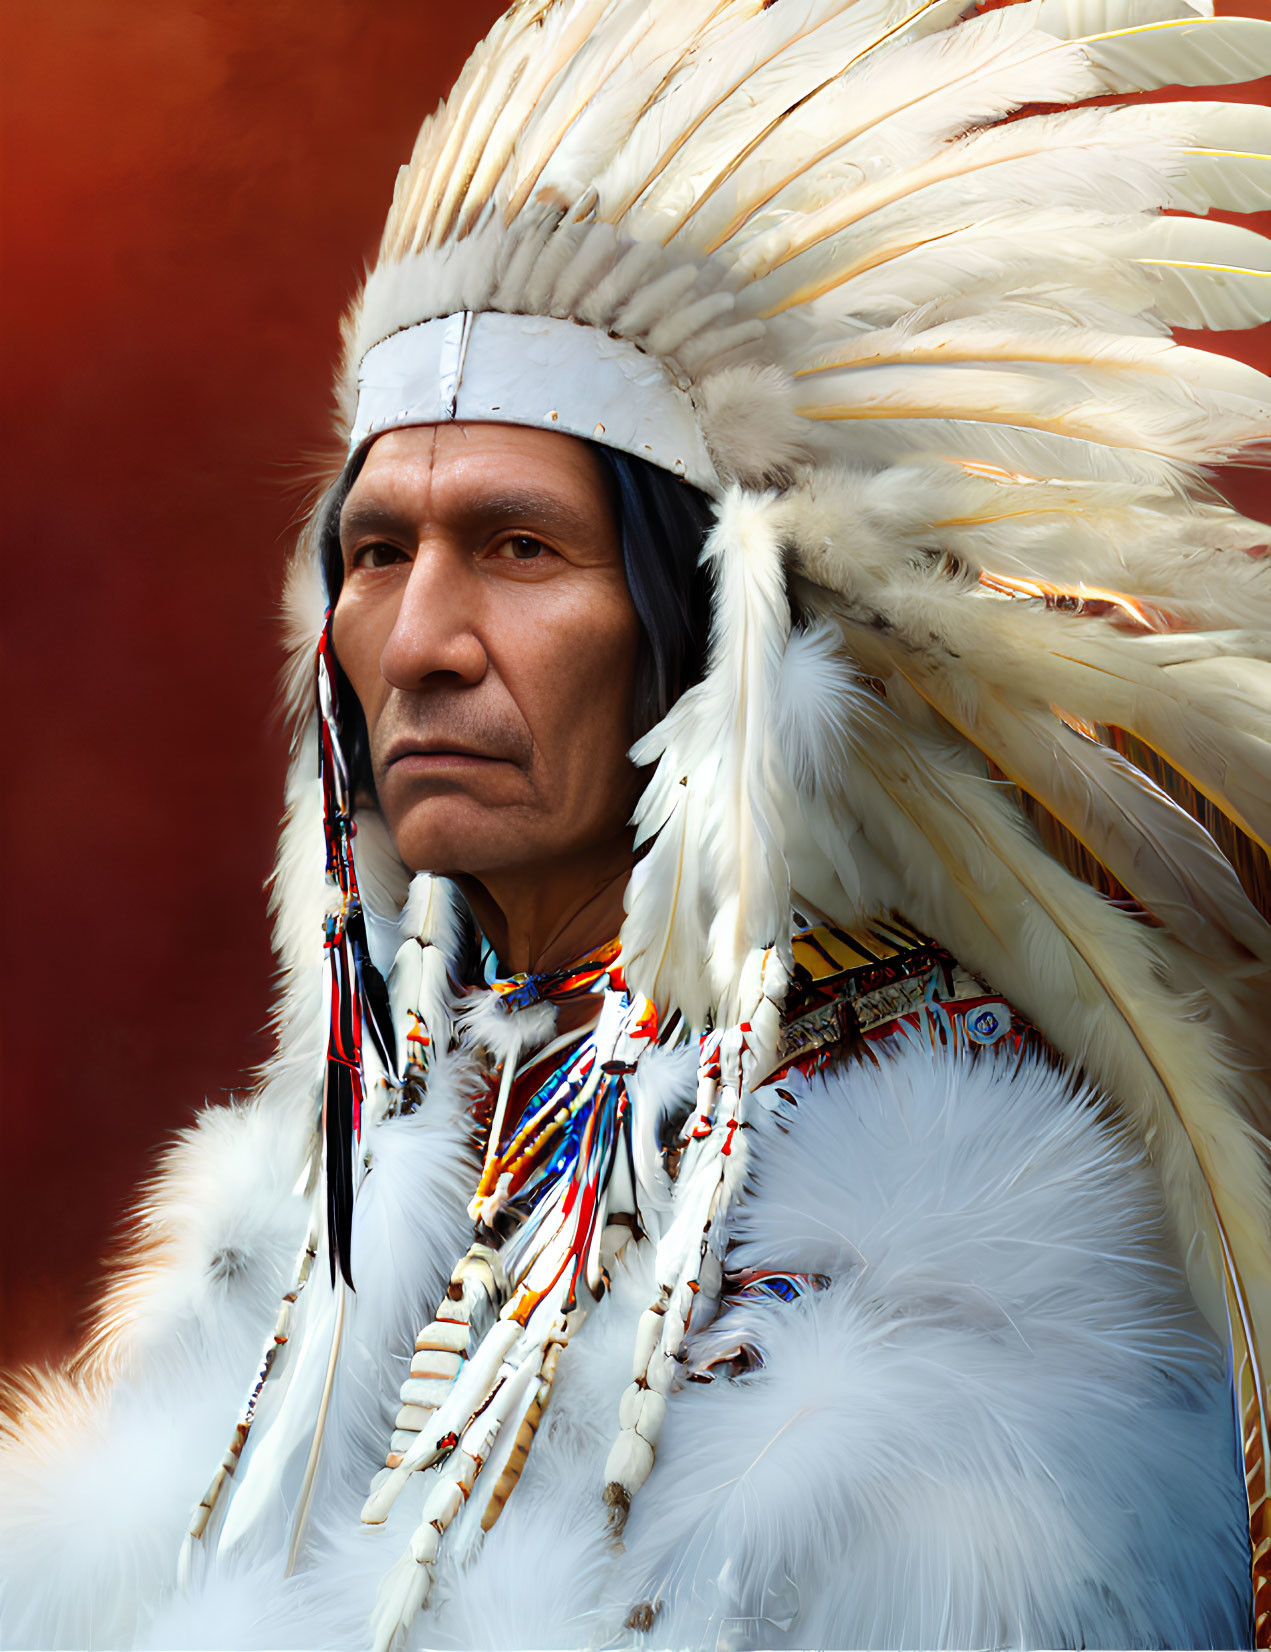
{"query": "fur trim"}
(98, 1483)
(994, 1410)
(974, 1387)
(748, 417)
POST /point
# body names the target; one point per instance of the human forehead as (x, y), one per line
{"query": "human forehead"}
(458, 473)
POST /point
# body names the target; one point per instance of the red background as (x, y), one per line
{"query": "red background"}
(191, 187)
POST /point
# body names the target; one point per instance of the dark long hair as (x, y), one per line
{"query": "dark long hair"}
(662, 526)
(662, 523)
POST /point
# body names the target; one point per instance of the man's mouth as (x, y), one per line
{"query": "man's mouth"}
(428, 756)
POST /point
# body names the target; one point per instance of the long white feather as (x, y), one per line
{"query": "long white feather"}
(897, 110)
(1101, 390)
(786, 108)
(1169, 272)
(959, 851)
(595, 101)
(718, 776)
(720, 63)
(1070, 19)
(1104, 162)
(866, 120)
(1203, 707)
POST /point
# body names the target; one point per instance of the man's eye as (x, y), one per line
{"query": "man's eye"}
(377, 556)
(521, 548)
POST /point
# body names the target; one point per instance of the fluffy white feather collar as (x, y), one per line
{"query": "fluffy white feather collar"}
(1000, 1424)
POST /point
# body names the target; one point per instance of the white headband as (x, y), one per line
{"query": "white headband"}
(491, 368)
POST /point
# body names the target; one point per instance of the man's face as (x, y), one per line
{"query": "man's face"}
(487, 630)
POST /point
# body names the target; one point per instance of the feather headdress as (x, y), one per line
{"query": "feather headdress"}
(984, 636)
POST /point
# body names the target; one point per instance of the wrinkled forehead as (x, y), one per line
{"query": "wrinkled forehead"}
(476, 477)
(533, 371)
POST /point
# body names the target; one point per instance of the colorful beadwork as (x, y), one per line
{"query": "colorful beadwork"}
(356, 990)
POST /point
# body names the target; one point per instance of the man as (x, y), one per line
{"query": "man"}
(527, 644)
(737, 1228)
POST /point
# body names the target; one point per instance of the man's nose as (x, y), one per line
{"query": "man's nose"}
(435, 631)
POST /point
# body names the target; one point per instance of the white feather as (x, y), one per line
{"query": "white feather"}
(1102, 162)
(660, 1092)
(1106, 397)
(900, 108)
(1070, 19)
(594, 104)
(713, 802)
(717, 64)
(868, 120)
(507, 1034)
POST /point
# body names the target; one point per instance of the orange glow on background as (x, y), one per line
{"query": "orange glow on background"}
(191, 191)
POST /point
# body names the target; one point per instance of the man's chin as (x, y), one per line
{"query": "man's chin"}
(467, 842)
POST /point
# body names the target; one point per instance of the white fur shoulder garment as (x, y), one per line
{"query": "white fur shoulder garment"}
(991, 1418)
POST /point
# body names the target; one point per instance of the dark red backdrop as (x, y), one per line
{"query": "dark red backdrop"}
(191, 188)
